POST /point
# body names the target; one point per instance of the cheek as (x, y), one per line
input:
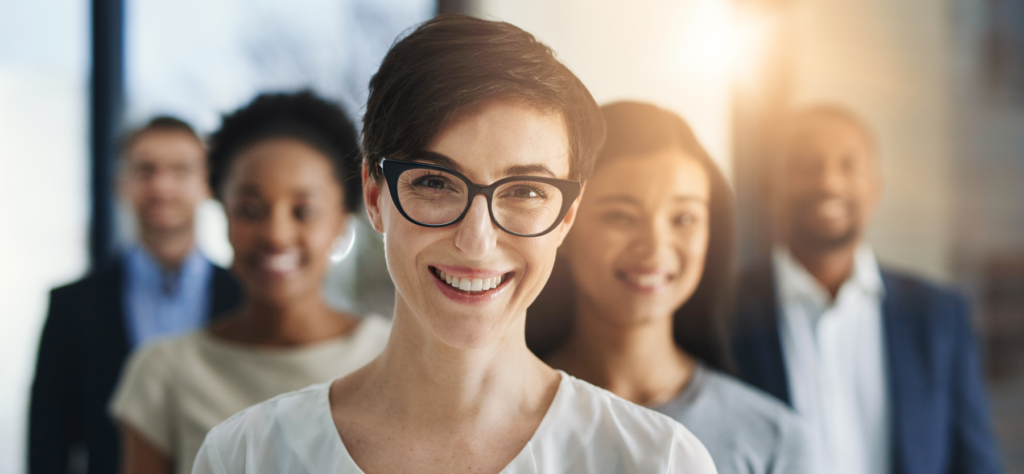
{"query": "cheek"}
(240, 234)
(593, 256)
(693, 248)
(319, 238)
(403, 240)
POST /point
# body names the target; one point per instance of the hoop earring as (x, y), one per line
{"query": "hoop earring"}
(343, 245)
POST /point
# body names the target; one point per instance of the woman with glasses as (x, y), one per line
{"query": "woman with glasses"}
(644, 277)
(283, 166)
(476, 142)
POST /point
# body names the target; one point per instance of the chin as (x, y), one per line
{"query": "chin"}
(165, 223)
(826, 235)
(466, 332)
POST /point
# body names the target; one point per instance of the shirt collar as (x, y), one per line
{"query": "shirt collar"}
(794, 282)
(142, 265)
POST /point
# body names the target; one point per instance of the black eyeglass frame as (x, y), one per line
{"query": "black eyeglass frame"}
(392, 169)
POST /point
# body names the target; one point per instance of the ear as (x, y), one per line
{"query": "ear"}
(371, 199)
(570, 217)
(207, 192)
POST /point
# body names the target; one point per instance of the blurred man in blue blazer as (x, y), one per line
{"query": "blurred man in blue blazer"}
(162, 287)
(884, 367)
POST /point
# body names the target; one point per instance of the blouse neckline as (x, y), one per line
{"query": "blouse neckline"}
(343, 455)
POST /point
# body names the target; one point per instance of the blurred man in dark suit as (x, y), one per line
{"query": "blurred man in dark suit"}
(883, 366)
(161, 287)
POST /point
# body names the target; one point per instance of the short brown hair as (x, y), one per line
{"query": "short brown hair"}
(164, 123)
(455, 61)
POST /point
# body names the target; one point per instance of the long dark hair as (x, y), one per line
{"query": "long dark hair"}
(700, 325)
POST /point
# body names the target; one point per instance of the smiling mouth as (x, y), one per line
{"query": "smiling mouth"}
(645, 281)
(280, 263)
(471, 286)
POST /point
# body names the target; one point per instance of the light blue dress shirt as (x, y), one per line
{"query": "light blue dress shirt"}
(162, 303)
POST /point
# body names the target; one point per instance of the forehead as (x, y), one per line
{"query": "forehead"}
(654, 178)
(827, 134)
(162, 146)
(488, 139)
(281, 163)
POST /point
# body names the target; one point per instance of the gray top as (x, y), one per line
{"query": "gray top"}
(745, 430)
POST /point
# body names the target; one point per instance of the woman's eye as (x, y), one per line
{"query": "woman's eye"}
(303, 213)
(527, 192)
(249, 211)
(684, 220)
(617, 218)
(432, 182)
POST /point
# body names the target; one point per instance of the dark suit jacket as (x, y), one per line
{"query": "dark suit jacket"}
(83, 347)
(940, 418)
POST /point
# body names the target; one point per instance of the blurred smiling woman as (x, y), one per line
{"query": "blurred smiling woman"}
(475, 141)
(644, 275)
(283, 168)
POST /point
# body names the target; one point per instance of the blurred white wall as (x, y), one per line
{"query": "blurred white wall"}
(44, 180)
(674, 53)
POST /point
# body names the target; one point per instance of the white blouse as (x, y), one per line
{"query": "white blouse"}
(586, 430)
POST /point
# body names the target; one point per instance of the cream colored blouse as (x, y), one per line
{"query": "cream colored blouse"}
(175, 390)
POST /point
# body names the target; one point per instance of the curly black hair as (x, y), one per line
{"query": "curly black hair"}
(302, 116)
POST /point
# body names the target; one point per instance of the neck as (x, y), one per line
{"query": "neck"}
(637, 361)
(831, 267)
(431, 382)
(168, 248)
(305, 321)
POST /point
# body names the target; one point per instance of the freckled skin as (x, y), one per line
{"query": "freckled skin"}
(457, 390)
(485, 143)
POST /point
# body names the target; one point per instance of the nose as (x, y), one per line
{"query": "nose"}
(476, 235)
(831, 179)
(279, 229)
(162, 182)
(653, 241)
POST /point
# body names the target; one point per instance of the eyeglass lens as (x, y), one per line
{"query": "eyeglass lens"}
(434, 197)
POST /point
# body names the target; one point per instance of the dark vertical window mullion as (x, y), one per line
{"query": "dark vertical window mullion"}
(106, 105)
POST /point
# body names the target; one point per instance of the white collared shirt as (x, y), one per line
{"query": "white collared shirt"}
(836, 363)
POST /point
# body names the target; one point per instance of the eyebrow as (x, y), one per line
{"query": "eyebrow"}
(253, 190)
(438, 159)
(249, 189)
(523, 170)
(620, 198)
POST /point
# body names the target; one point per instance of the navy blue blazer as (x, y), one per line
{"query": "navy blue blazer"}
(940, 416)
(81, 352)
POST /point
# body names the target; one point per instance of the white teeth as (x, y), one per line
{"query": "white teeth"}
(833, 208)
(648, 280)
(282, 262)
(470, 284)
